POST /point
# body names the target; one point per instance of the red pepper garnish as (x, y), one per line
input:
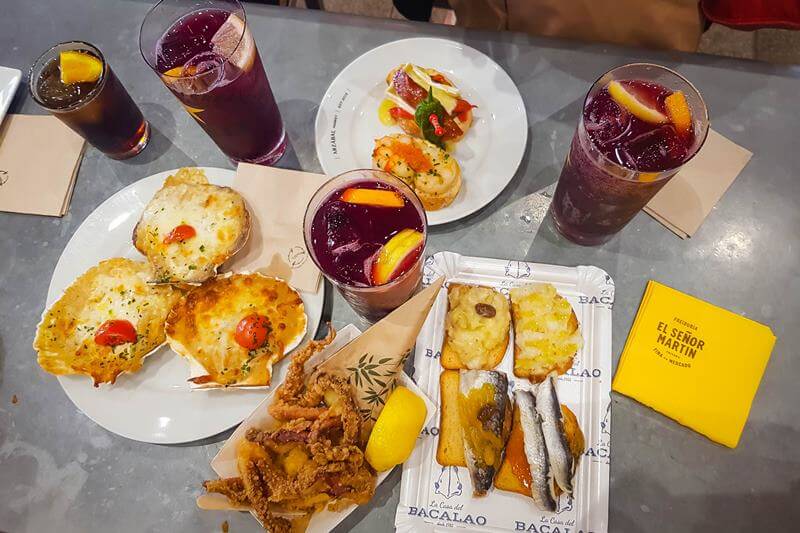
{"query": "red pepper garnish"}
(398, 113)
(114, 333)
(180, 234)
(437, 128)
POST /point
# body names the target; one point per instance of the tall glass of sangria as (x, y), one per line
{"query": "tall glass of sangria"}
(204, 53)
(366, 231)
(640, 124)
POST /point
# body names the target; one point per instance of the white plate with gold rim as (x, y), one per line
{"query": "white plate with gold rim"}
(489, 154)
(154, 404)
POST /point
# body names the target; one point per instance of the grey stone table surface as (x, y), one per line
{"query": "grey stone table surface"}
(61, 472)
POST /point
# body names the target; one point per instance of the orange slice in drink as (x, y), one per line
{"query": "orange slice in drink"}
(634, 106)
(396, 255)
(679, 112)
(374, 197)
(79, 67)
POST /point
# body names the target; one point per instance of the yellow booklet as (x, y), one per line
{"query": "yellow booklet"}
(694, 362)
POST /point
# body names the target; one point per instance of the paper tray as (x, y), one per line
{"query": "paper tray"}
(224, 463)
(437, 498)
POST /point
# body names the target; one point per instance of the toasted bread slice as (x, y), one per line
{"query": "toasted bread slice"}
(546, 331)
(450, 449)
(214, 221)
(514, 469)
(477, 327)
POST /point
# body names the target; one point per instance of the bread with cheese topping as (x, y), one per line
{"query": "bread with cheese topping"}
(547, 334)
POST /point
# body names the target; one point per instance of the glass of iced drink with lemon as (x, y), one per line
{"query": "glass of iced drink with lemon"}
(640, 124)
(366, 232)
(204, 53)
(73, 81)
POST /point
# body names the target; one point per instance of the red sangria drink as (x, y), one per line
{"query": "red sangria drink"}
(73, 81)
(366, 231)
(640, 124)
(204, 53)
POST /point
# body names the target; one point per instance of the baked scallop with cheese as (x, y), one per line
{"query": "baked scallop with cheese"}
(105, 323)
(433, 173)
(190, 227)
(547, 334)
(236, 327)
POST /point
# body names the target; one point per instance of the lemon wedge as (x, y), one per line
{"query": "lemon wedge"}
(395, 432)
(79, 67)
(634, 106)
(383, 112)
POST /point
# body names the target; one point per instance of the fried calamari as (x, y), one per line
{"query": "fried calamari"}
(311, 460)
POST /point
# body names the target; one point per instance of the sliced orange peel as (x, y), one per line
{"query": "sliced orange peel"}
(679, 113)
(373, 197)
(634, 106)
(394, 255)
(79, 67)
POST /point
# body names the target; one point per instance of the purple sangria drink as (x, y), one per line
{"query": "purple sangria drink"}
(366, 232)
(205, 54)
(640, 124)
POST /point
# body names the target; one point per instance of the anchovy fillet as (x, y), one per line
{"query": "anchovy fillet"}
(491, 417)
(543, 489)
(549, 408)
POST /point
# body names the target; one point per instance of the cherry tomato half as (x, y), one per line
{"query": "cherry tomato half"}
(180, 234)
(252, 331)
(114, 333)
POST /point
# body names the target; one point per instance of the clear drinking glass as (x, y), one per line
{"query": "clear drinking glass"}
(100, 111)
(344, 241)
(204, 53)
(596, 195)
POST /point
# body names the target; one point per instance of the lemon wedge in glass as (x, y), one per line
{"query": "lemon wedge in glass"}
(633, 105)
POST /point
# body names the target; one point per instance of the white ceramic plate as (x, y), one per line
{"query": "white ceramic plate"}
(489, 154)
(154, 404)
(9, 81)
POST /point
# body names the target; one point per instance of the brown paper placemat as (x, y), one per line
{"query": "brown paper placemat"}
(277, 200)
(39, 161)
(687, 199)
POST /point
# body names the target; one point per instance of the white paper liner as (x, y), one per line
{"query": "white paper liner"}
(224, 463)
(436, 498)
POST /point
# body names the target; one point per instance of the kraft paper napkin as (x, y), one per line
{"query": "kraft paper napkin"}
(39, 161)
(277, 200)
(687, 199)
(373, 361)
(694, 362)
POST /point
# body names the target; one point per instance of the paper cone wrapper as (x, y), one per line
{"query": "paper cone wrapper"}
(373, 362)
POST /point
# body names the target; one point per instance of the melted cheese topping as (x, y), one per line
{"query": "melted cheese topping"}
(217, 214)
(116, 289)
(202, 326)
(472, 336)
(546, 330)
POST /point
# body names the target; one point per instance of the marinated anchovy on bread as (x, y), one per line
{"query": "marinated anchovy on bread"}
(190, 227)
